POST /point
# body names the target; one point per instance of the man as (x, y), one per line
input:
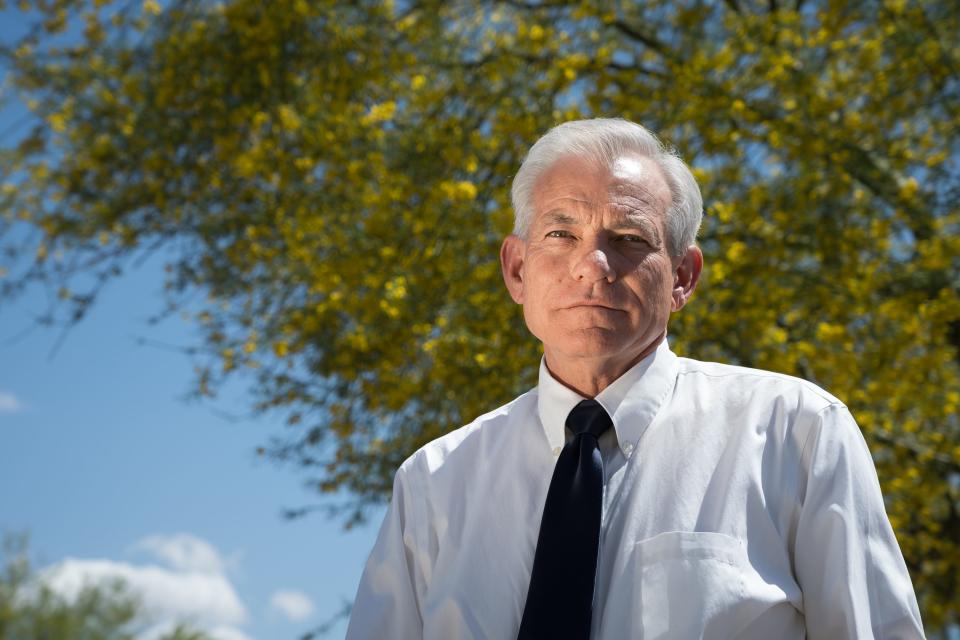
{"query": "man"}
(632, 493)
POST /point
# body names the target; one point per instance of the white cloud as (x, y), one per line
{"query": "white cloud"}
(184, 552)
(227, 633)
(192, 588)
(217, 633)
(9, 402)
(295, 605)
(203, 597)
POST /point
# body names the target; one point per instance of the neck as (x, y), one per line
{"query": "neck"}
(590, 376)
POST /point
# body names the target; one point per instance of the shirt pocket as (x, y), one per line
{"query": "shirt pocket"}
(681, 585)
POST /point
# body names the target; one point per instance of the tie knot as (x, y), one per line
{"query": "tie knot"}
(589, 417)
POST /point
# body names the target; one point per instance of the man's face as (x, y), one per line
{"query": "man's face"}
(594, 275)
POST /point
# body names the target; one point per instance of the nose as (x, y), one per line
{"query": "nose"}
(593, 265)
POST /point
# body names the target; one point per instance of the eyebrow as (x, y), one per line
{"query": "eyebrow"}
(622, 222)
(558, 217)
(637, 221)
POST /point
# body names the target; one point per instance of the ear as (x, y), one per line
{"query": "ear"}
(686, 274)
(512, 252)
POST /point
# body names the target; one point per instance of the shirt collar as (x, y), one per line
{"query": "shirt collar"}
(632, 400)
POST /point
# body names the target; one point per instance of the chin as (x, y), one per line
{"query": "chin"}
(594, 343)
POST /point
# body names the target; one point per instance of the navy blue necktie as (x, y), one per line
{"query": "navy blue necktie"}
(560, 597)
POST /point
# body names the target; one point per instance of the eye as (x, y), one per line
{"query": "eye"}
(559, 233)
(632, 239)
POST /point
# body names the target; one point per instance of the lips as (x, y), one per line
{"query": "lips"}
(593, 305)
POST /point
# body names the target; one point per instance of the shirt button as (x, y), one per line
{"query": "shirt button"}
(628, 448)
(556, 451)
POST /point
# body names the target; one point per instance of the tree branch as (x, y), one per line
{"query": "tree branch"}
(647, 39)
(734, 6)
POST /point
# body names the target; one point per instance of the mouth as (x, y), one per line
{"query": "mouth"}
(592, 305)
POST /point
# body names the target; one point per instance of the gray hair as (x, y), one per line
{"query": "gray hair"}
(603, 140)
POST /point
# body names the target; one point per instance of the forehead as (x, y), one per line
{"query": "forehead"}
(631, 182)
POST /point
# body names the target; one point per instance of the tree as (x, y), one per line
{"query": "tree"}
(31, 610)
(333, 178)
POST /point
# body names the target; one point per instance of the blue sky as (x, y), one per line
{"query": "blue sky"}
(112, 473)
(100, 458)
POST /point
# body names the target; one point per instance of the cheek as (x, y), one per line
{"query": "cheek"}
(654, 283)
(536, 320)
(546, 263)
(544, 273)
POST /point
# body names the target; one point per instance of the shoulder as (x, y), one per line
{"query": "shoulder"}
(789, 410)
(731, 383)
(469, 442)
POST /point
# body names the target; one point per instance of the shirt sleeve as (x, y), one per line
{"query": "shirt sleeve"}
(847, 561)
(387, 602)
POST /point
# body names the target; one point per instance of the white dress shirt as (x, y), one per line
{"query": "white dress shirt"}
(737, 503)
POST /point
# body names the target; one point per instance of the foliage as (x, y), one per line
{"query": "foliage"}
(31, 610)
(184, 632)
(333, 178)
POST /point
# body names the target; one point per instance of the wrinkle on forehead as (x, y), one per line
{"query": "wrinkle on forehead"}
(634, 175)
(621, 195)
(633, 197)
(635, 191)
